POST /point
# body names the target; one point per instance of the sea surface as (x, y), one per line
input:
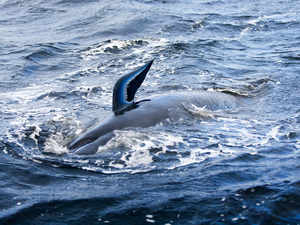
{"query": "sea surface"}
(59, 60)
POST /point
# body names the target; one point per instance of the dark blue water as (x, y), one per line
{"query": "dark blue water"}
(59, 60)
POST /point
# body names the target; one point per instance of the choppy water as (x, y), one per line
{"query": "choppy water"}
(59, 60)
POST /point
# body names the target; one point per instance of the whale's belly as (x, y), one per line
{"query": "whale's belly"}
(167, 106)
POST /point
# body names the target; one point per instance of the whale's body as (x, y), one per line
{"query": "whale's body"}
(146, 112)
(149, 113)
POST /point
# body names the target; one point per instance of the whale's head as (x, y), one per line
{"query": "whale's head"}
(84, 139)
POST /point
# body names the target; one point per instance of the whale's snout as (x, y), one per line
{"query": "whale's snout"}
(80, 141)
(87, 146)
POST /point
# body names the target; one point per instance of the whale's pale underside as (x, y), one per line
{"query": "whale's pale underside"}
(144, 113)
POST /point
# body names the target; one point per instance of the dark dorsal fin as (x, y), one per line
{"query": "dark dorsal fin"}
(126, 87)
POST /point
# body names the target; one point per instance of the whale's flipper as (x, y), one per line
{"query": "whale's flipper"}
(126, 87)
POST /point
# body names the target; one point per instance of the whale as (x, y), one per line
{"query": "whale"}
(128, 113)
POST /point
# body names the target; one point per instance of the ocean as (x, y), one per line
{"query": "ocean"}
(59, 61)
